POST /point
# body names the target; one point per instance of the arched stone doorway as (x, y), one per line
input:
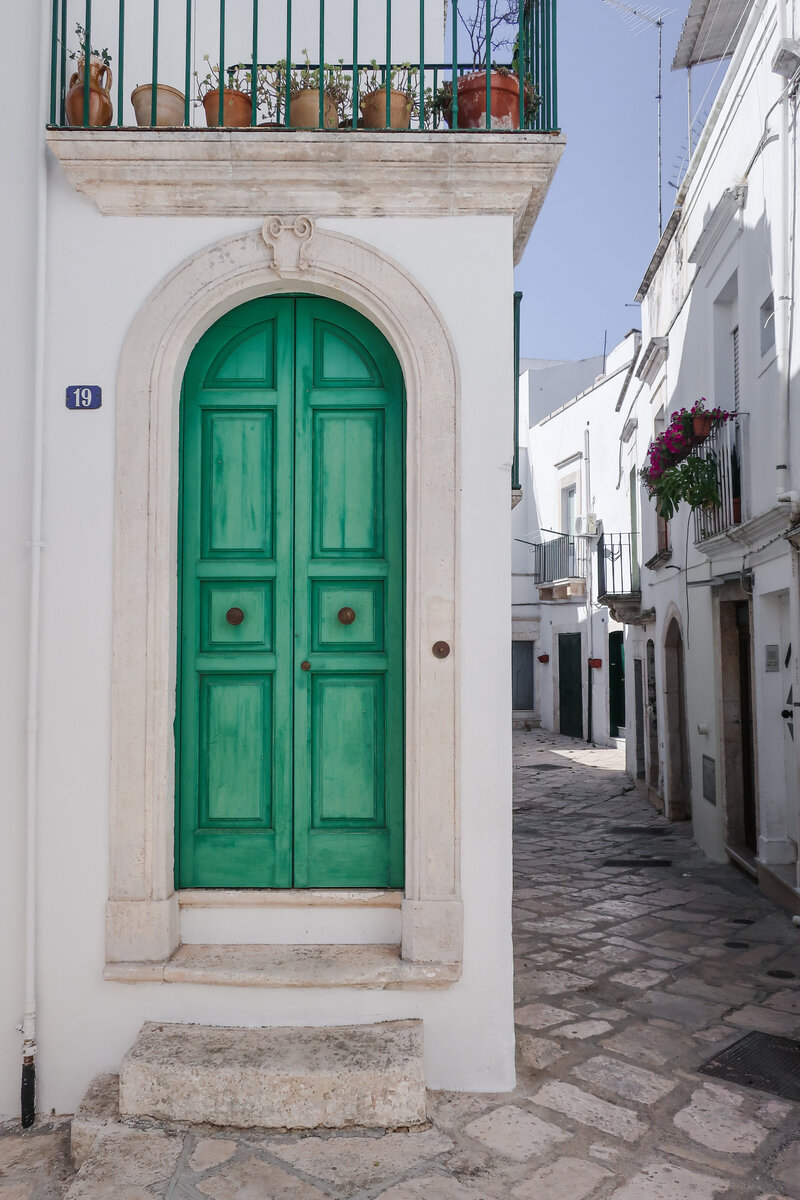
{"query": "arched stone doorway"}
(678, 791)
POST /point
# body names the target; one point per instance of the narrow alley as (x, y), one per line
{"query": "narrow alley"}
(637, 961)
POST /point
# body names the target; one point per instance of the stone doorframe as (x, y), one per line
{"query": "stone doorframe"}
(286, 255)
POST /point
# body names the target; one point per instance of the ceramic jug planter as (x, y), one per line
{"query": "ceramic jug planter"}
(472, 101)
(304, 110)
(373, 108)
(101, 110)
(170, 106)
(237, 108)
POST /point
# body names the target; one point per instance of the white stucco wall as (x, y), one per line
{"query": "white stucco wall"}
(100, 271)
(694, 305)
(553, 452)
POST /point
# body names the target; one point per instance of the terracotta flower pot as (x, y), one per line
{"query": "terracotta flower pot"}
(237, 108)
(170, 106)
(472, 101)
(304, 110)
(373, 107)
(702, 425)
(101, 110)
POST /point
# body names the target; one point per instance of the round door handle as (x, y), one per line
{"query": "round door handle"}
(787, 712)
(441, 649)
(234, 616)
(346, 616)
(305, 666)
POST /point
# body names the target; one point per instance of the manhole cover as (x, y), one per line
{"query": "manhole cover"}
(760, 1060)
(649, 830)
(782, 974)
(737, 945)
(637, 862)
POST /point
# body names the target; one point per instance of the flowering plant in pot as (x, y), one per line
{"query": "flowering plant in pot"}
(100, 108)
(674, 474)
(237, 101)
(402, 89)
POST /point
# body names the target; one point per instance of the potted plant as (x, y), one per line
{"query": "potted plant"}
(237, 103)
(471, 114)
(100, 108)
(170, 106)
(402, 90)
(305, 85)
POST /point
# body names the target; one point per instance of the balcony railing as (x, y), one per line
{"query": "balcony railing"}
(725, 446)
(618, 572)
(272, 49)
(562, 557)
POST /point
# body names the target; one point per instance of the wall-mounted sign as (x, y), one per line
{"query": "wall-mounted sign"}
(772, 662)
(709, 779)
(84, 396)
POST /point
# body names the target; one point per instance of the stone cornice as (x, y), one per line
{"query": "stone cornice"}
(243, 172)
(739, 539)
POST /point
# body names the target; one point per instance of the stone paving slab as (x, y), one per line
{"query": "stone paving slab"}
(627, 980)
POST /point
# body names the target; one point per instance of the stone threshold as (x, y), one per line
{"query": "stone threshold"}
(275, 966)
(778, 881)
(291, 898)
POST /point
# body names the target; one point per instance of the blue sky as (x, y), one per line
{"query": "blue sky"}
(599, 225)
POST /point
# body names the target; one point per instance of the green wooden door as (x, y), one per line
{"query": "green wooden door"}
(290, 701)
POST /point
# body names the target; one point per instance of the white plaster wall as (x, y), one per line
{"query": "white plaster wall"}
(680, 305)
(17, 305)
(101, 271)
(554, 440)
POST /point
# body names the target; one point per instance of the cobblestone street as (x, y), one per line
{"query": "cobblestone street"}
(628, 979)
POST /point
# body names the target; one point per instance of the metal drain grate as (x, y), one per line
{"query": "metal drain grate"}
(637, 862)
(762, 1061)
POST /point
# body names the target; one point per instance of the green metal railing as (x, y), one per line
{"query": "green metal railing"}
(515, 464)
(436, 89)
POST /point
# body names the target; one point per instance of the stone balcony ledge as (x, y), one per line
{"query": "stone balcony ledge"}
(334, 173)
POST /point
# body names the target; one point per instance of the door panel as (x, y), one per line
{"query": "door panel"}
(348, 555)
(292, 513)
(570, 685)
(235, 682)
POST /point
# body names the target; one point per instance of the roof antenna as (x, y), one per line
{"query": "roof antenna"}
(638, 19)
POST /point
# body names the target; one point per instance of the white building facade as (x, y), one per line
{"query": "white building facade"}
(568, 659)
(135, 253)
(713, 653)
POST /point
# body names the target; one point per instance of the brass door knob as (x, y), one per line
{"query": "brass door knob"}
(305, 666)
(441, 649)
(234, 616)
(346, 616)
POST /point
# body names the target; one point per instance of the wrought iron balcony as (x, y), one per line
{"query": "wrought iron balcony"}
(619, 576)
(724, 446)
(154, 63)
(559, 567)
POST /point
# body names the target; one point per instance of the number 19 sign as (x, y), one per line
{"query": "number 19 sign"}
(84, 397)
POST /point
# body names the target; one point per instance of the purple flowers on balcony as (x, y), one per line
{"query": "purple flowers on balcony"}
(669, 482)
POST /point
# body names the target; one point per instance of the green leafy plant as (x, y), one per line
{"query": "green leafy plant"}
(84, 49)
(404, 78)
(661, 475)
(238, 78)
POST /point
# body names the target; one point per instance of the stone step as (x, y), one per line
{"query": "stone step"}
(280, 1078)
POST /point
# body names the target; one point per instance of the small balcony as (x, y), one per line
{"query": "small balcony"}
(619, 576)
(198, 106)
(725, 446)
(559, 568)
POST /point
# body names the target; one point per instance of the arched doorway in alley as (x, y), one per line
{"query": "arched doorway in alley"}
(678, 795)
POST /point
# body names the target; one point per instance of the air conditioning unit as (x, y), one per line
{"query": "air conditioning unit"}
(586, 526)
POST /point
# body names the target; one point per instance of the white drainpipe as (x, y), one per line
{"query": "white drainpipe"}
(590, 544)
(783, 313)
(28, 1088)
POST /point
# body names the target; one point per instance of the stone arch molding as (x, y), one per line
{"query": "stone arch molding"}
(286, 255)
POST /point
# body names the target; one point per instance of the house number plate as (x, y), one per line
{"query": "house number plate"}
(84, 396)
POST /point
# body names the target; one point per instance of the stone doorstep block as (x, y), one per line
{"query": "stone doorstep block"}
(337, 1077)
(99, 1111)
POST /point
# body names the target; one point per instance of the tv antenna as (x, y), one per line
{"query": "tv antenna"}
(640, 18)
